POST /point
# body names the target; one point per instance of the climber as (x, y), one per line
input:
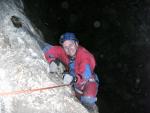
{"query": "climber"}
(81, 64)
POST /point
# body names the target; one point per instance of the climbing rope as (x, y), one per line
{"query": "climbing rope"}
(31, 90)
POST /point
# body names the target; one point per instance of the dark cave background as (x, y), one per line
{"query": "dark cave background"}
(117, 33)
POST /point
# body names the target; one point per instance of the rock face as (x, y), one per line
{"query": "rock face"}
(23, 68)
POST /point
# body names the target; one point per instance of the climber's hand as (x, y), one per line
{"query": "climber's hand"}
(57, 62)
(67, 78)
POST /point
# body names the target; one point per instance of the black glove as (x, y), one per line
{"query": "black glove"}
(74, 80)
(57, 62)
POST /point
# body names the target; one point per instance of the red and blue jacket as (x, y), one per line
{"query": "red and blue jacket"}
(82, 66)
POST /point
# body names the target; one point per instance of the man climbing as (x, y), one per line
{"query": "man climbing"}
(81, 64)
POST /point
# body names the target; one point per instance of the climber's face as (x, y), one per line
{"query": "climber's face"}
(70, 47)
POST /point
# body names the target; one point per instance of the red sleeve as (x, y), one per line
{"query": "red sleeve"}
(56, 52)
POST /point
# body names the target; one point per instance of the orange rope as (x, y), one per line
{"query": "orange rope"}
(30, 90)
